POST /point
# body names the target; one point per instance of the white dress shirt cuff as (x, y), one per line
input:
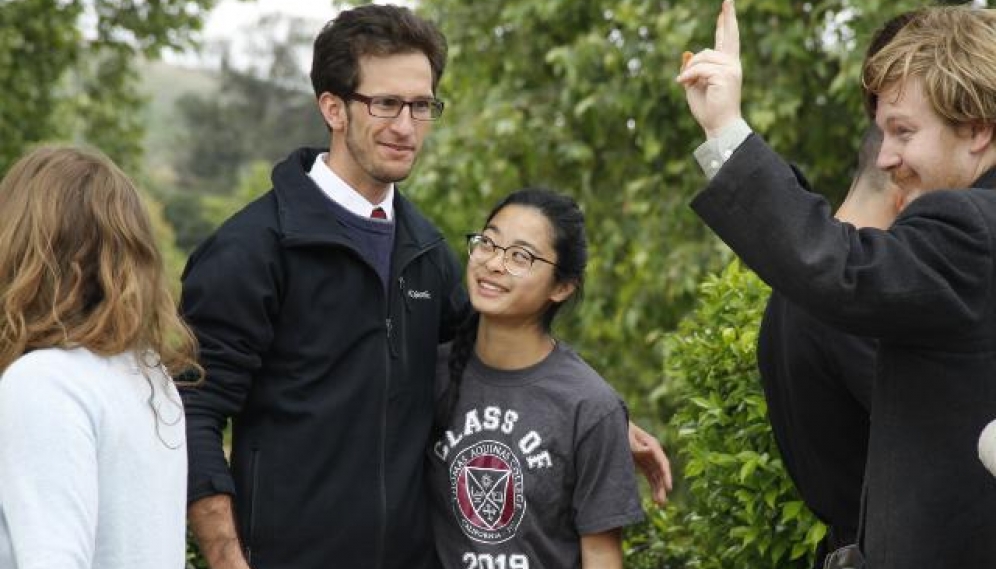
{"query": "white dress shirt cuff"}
(713, 153)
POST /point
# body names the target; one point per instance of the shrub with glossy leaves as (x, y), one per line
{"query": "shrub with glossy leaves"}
(741, 509)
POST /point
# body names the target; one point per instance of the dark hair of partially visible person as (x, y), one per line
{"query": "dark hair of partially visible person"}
(79, 265)
(571, 246)
(871, 143)
(371, 30)
(882, 36)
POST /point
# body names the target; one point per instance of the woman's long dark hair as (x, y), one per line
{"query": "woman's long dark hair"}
(571, 246)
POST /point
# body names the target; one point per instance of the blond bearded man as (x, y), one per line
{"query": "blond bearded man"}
(926, 287)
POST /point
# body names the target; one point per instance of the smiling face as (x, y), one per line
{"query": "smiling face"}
(371, 153)
(920, 150)
(519, 300)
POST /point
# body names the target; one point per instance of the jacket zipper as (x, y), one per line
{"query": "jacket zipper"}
(388, 353)
(404, 296)
(389, 332)
(382, 538)
(254, 474)
(389, 326)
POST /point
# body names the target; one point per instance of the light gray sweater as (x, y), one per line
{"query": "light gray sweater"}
(91, 476)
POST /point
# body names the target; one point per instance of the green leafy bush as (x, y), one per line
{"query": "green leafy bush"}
(659, 542)
(739, 509)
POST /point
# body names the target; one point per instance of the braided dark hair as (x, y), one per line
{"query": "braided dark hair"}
(571, 245)
(460, 351)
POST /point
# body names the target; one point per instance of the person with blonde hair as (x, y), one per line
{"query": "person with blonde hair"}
(925, 287)
(92, 457)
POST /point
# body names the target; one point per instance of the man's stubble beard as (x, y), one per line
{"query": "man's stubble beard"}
(369, 165)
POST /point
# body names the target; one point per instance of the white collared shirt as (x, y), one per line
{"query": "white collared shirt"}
(343, 194)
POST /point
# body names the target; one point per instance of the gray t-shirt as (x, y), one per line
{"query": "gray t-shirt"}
(532, 459)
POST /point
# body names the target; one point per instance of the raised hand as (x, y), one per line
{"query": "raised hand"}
(712, 78)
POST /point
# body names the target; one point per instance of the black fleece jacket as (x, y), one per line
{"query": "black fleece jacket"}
(327, 379)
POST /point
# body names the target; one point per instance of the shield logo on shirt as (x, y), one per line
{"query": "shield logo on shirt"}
(487, 491)
(487, 488)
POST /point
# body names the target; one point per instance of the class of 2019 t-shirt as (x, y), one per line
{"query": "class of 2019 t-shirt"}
(532, 459)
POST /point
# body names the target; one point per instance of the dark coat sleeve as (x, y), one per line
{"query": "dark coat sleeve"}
(231, 294)
(926, 277)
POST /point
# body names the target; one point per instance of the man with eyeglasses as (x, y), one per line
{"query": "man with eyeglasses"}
(318, 309)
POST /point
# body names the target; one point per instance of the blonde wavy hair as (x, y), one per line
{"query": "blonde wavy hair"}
(952, 51)
(79, 266)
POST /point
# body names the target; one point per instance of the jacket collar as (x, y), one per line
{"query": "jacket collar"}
(986, 180)
(304, 215)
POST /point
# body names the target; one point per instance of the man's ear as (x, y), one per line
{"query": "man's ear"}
(333, 110)
(982, 136)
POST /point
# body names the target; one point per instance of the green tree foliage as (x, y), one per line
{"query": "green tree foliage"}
(258, 113)
(195, 216)
(185, 213)
(67, 71)
(260, 110)
(29, 91)
(581, 96)
(173, 258)
(742, 509)
(253, 182)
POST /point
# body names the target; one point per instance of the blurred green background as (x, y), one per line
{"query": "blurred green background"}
(577, 96)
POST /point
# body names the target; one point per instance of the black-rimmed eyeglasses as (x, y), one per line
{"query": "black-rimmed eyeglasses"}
(387, 107)
(516, 260)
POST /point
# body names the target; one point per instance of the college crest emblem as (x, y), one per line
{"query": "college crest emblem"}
(486, 491)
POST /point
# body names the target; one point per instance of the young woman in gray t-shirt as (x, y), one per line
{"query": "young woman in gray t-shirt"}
(530, 465)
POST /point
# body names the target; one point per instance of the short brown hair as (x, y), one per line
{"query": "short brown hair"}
(79, 265)
(372, 30)
(952, 51)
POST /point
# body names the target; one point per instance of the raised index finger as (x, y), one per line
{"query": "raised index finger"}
(727, 32)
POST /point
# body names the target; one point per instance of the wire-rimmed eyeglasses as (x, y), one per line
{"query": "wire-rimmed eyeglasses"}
(517, 260)
(388, 107)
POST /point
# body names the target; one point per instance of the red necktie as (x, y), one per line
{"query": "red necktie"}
(378, 213)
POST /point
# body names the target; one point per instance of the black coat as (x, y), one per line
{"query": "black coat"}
(927, 289)
(817, 383)
(328, 382)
